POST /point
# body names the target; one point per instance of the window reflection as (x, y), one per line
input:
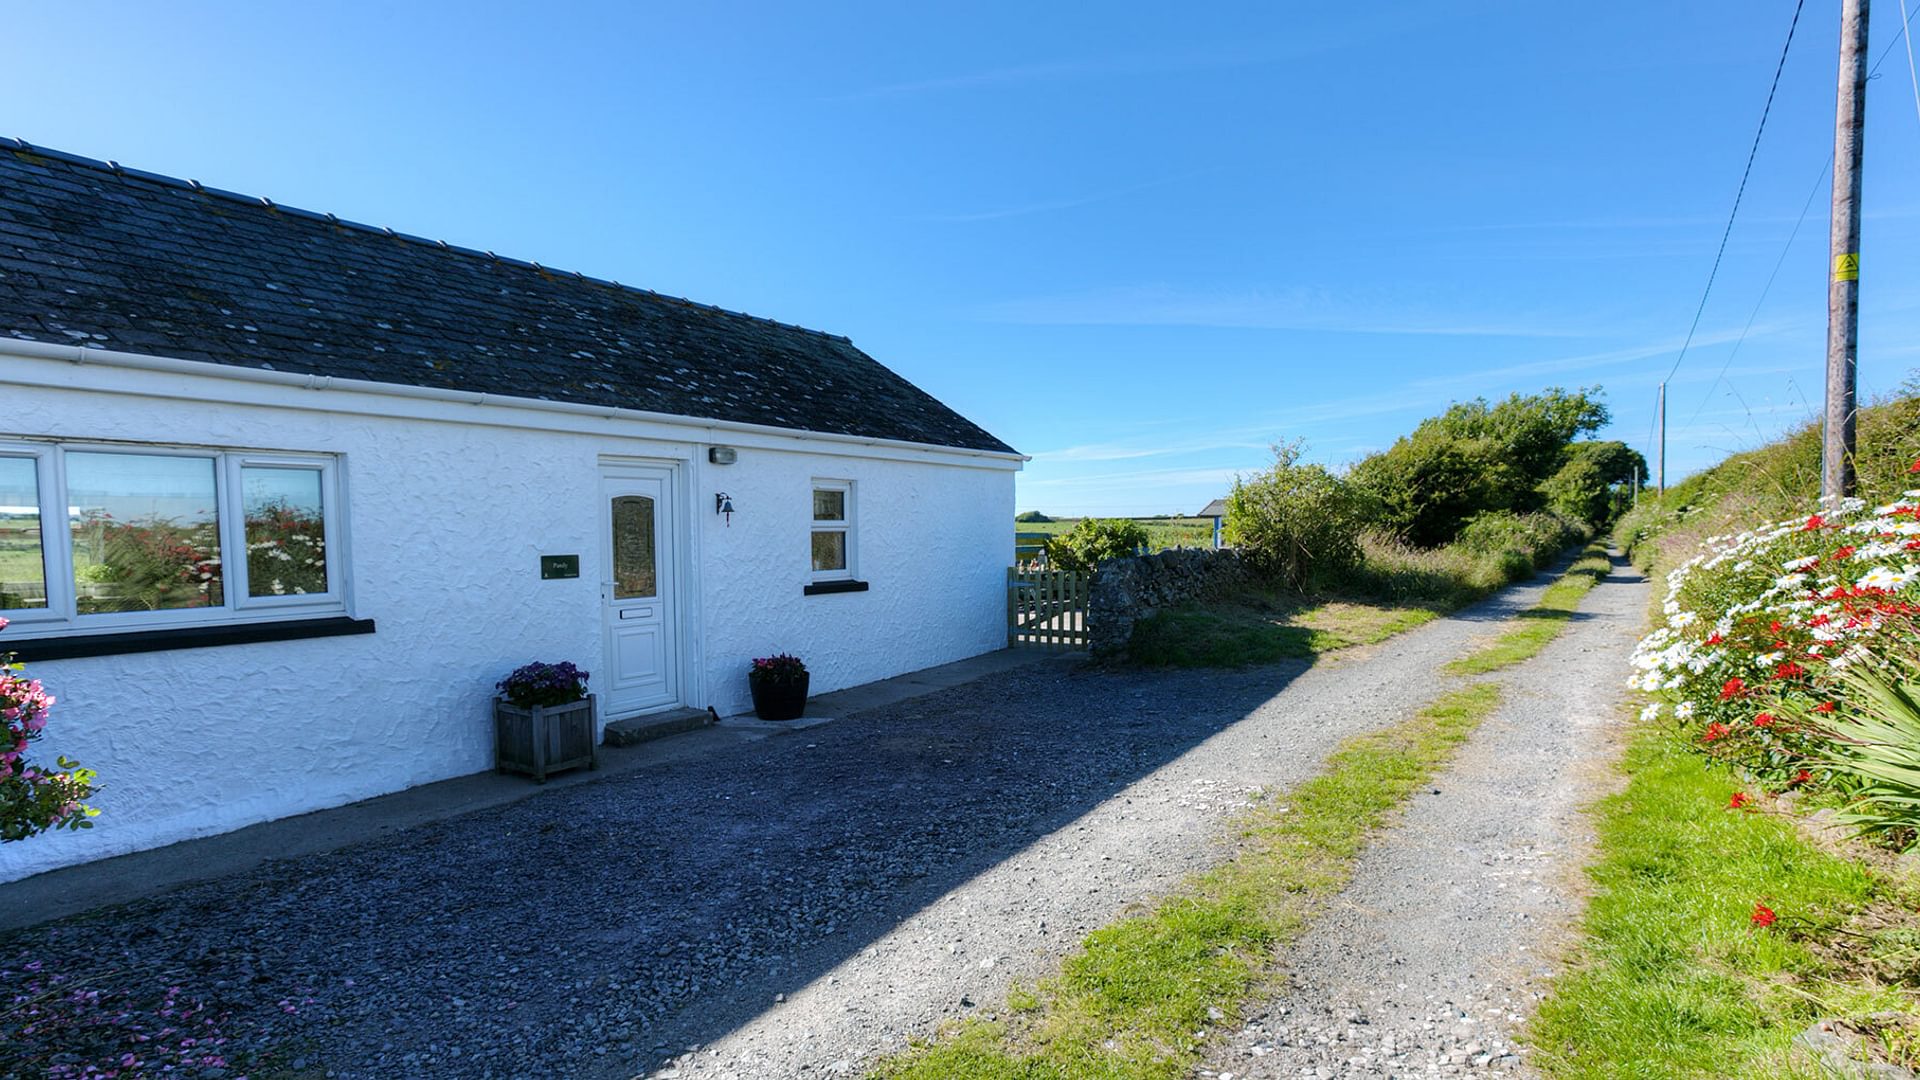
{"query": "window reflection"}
(146, 532)
(23, 561)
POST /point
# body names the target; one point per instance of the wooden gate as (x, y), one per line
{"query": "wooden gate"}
(1047, 608)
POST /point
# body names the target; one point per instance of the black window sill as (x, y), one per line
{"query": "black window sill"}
(78, 646)
(820, 587)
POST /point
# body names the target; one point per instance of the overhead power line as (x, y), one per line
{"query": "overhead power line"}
(1906, 35)
(1741, 191)
(1906, 32)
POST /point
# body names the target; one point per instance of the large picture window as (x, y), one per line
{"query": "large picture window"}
(158, 536)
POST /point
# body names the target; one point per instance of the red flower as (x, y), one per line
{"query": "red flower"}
(1715, 730)
(1738, 802)
(1915, 467)
(1765, 719)
(1774, 626)
(1843, 552)
(1715, 639)
(1732, 688)
(1824, 707)
(1802, 777)
(1814, 522)
(1763, 916)
(1788, 670)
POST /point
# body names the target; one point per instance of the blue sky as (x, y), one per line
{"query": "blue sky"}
(1140, 242)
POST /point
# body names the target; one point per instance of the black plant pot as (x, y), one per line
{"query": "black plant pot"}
(779, 700)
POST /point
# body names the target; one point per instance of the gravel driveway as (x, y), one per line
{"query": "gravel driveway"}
(789, 906)
(1431, 959)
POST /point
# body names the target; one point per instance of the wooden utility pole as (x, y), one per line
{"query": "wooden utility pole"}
(1843, 289)
(1660, 447)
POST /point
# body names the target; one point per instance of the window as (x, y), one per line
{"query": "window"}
(159, 537)
(23, 564)
(833, 552)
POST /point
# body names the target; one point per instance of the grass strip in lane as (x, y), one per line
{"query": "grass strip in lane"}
(1542, 622)
(1138, 1000)
(1677, 976)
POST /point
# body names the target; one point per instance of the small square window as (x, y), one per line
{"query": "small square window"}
(829, 504)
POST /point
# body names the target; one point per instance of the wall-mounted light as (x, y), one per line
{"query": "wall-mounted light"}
(722, 455)
(723, 505)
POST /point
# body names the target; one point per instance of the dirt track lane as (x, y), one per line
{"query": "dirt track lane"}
(1432, 958)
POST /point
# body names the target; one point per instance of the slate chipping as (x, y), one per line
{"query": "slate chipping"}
(152, 265)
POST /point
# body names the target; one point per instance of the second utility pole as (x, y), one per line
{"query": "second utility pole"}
(1843, 288)
(1660, 454)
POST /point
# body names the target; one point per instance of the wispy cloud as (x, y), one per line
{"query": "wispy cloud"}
(1251, 438)
(1352, 29)
(1090, 67)
(1064, 203)
(1255, 308)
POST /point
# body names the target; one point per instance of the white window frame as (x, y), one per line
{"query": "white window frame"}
(61, 616)
(55, 569)
(845, 527)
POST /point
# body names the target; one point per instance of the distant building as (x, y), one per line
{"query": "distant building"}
(1217, 510)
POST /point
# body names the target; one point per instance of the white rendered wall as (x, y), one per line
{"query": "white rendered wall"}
(446, 523)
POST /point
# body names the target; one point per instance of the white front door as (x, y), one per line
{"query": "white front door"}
(637, 596)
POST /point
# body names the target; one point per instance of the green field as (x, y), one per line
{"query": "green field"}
(1162, 532)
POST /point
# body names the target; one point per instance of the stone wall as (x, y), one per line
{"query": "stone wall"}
(1127, 590)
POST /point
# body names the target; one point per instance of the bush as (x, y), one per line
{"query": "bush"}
(1534, 538)
(1762, 631)
(1477, 457)
(1032, 517)
(1591, 486)
(1297, 523)
(1092, 541)
(1425, 485)
(33, 798)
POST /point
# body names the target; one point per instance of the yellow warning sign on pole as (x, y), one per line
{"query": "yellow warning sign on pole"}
(1846, 267)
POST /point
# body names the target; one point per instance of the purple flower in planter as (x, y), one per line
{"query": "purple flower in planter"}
(777, 669)
(544, 684)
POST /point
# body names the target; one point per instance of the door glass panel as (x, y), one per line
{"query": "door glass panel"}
(23, 562)
(635, 571)
(146, 532)
(286, 531)
(829, 551)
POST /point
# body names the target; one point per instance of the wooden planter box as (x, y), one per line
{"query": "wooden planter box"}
(546, 738)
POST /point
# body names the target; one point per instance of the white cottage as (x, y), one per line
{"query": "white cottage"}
(282, 496)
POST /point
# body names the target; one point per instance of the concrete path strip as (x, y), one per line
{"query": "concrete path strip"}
(957, 956)
(1430, 961)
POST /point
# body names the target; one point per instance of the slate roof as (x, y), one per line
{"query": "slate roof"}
(1215, 509)
(96, 254)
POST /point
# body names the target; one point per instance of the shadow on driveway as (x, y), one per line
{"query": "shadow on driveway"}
(559, 934)
(553, 936)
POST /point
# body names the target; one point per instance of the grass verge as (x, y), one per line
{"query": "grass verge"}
(1264, 631)
(1542, 622)
(1137, 1000)
(1674, 978)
